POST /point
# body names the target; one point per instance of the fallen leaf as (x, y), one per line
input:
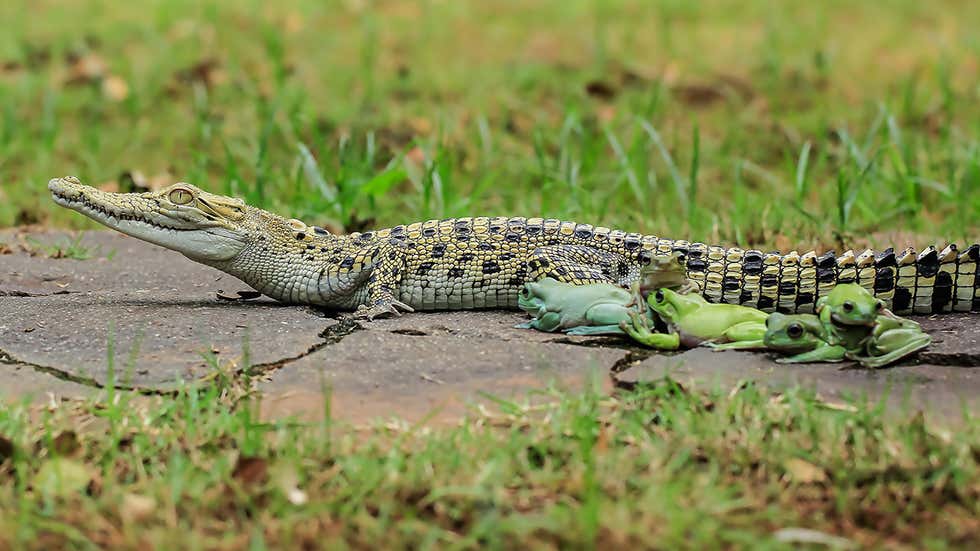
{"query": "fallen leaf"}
(804, 472)
(85, 68)
(136, 508)
(420, 125)
(239, 296)
(60, 477)
(416, 156)
(135, 181)
(287, 481)
(698, 94)
(606, 113)
(110, 186)
(806, 535)
(66, 443)
(207, 71)
(6, 448)
(251, 470)
(115, 88)
(601, 90)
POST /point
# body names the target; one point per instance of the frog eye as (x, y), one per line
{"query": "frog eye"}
(180, 196)
(848, 306)
(658, 296)
(880, 306)
(525, 292)
(794, 330)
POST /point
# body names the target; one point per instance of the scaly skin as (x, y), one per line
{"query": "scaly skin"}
(595, 309)
(691, 321)
(483, 262)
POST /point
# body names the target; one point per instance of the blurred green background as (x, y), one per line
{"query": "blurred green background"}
(786, 125)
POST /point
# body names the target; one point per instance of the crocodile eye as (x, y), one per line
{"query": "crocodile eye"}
(659, 296)
(848, 306)
(180, 196)
(794, 330)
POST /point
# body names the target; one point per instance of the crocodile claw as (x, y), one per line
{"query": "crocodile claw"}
(392, 309)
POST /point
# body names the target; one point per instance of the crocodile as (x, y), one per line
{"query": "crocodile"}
(483, 262)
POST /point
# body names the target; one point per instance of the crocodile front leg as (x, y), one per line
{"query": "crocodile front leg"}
(382, 285)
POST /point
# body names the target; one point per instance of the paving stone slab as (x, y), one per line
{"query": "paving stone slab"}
(158, 304)
(23, 383)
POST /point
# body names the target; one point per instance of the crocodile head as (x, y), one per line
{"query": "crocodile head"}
(201, 225)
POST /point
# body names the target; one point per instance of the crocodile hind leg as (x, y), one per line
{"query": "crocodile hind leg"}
(580, 265)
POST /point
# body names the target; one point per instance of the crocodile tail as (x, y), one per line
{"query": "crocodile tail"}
(909, 282)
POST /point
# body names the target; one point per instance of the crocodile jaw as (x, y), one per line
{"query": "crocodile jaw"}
(142, 216)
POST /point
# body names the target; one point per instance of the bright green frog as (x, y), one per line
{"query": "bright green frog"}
(691, 320)
(890, 339)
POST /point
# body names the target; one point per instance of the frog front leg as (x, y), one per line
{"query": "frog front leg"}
(742, 336)
(603, 319)
(547, 322)
(638, 328)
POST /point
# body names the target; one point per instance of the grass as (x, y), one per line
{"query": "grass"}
(823, 124)
(795, 125)
(656, 466)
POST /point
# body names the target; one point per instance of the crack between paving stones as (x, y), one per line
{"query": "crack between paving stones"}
(22, 294)
(331, 335)
(7, 359)
(962, 359)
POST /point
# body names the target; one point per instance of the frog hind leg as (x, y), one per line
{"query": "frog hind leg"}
(595, 330)
(834, 353)
(742, 336)
(913, 346)
(548, 322)
(604, 319)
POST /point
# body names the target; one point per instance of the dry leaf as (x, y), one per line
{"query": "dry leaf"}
(804, 472)
(606, 113)
(806, 535)
(86, 68)
(110, 186)
(6, 448)
(420, 125)
(240, 295)
(66, 443)
(287, 481)
(416, 156)
(115, 88)
(207, 71)
(601, 90)
(61, 477)
(698, 95)
(251, 470)
(136, 508)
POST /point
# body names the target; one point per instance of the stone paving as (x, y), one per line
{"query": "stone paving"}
(160, 316)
